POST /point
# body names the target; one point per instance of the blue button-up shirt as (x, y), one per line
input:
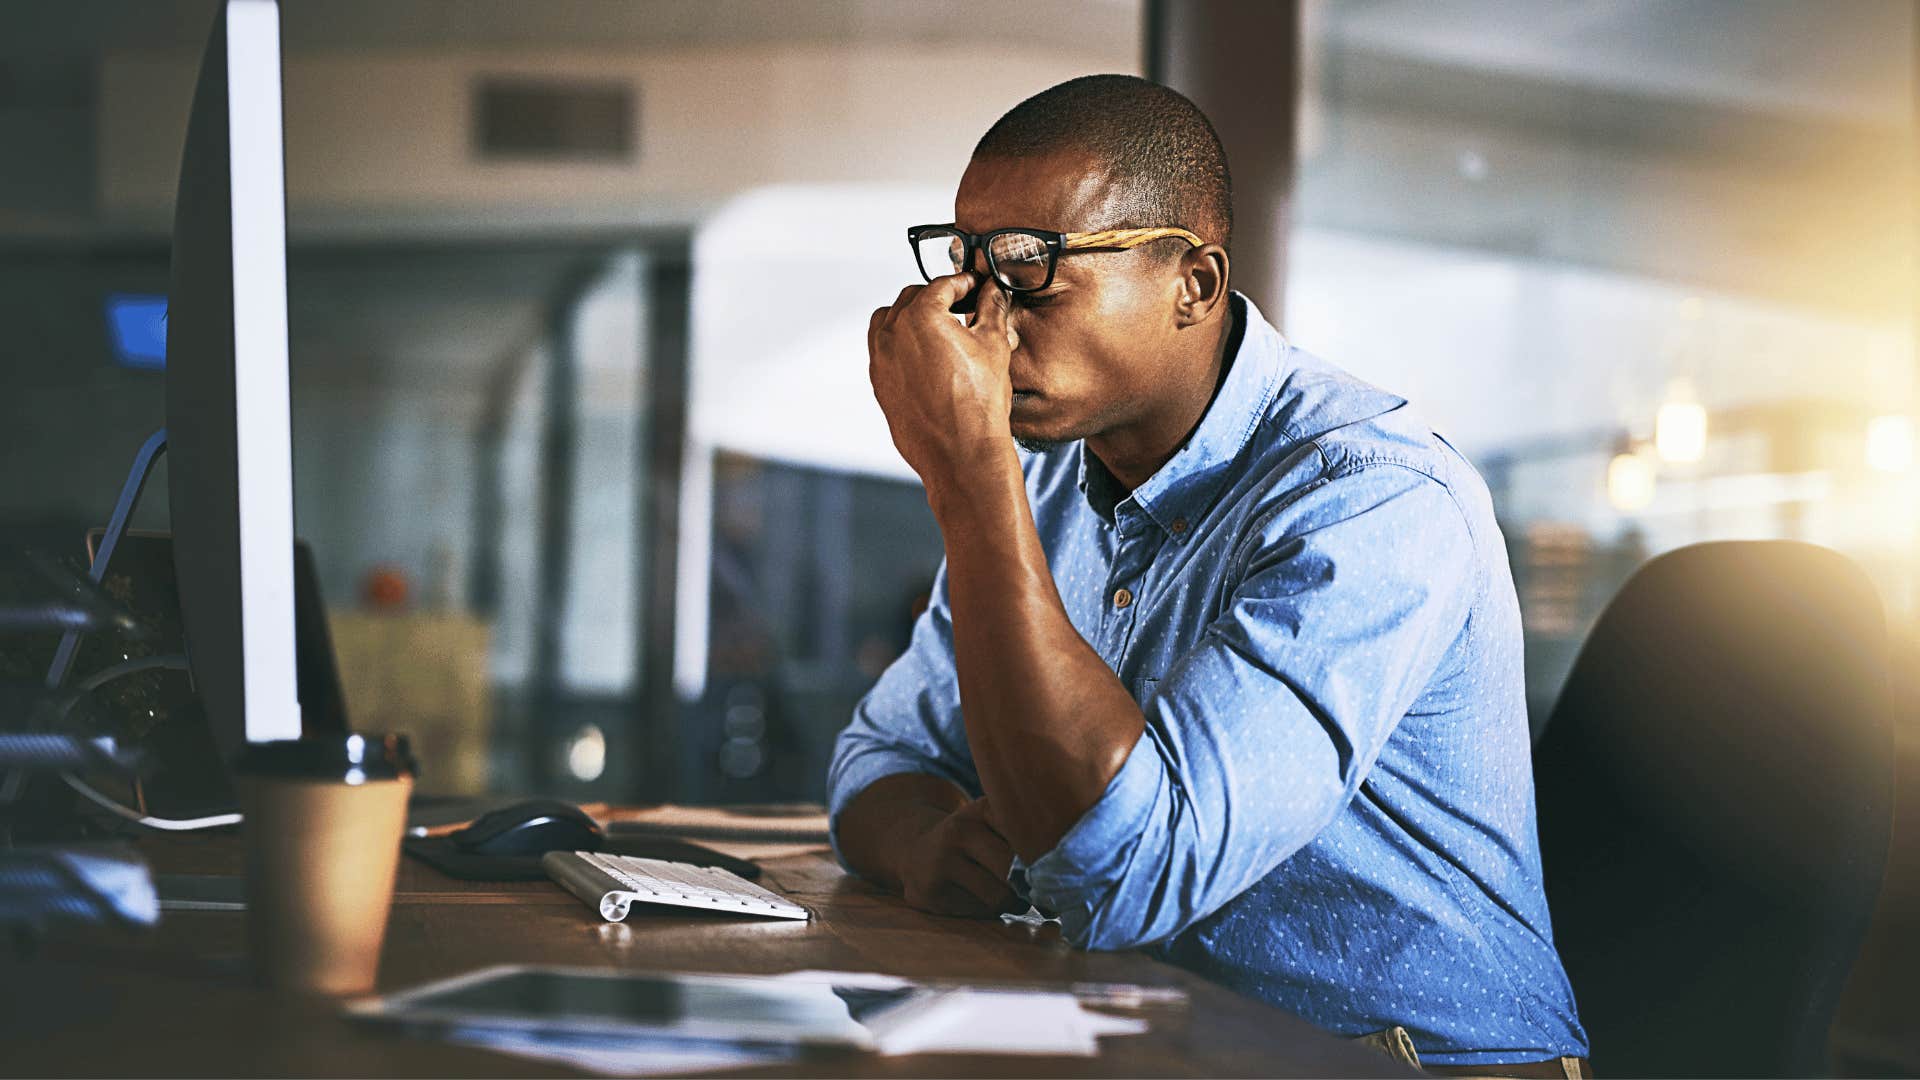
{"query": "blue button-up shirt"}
(1331, 807)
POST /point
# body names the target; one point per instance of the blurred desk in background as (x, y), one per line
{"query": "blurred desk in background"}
(422, 675)
(177, 1002)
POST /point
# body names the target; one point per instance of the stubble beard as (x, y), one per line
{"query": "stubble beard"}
(1039, 446)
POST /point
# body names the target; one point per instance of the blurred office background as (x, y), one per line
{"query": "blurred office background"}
(601, 503)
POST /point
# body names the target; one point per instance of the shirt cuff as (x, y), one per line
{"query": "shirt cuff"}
(1093, 855)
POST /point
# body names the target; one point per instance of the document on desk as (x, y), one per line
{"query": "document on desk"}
(950, 1019)
(628, 1023)
(622, 1057)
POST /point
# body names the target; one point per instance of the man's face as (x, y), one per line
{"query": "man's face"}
(1093, 347)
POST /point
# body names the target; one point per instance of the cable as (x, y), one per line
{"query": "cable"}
(168, 661)
(96, 681)
(167, 824)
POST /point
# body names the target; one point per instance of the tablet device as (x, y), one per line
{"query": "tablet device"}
(620, 1004)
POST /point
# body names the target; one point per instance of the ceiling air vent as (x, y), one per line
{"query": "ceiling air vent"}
(518, 119)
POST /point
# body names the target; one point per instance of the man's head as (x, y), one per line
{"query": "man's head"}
(1119, 335)
(1156, 146)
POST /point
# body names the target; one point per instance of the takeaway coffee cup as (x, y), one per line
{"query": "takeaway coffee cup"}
(323, 820)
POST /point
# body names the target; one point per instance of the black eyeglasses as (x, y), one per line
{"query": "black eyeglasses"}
(1022, 260)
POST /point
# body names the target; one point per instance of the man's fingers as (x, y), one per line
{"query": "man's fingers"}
(991, 891)
(984, 839)
(990, 307)
(900, 303)
(986, 847)
(943, 292)
(975, 810)
(892, 311)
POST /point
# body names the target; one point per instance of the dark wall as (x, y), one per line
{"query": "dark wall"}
(70, 418)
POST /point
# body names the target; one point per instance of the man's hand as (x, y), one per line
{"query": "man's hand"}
(943, 386)
(959, 867)
(922, 837)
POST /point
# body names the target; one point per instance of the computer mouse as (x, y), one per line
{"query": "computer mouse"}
(530, 828)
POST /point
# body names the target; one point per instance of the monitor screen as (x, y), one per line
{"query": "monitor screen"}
(137, 330)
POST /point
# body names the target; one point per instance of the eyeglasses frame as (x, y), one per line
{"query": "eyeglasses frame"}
(1057, 243)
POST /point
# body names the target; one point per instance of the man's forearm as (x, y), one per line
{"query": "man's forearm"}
(1047, 721)
(891, 813)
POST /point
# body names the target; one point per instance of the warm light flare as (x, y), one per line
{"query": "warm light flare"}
(1680, 431)
(587, 753)
(1890, 443)
(1630, 482)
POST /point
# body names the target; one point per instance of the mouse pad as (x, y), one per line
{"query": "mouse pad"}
(441, 853)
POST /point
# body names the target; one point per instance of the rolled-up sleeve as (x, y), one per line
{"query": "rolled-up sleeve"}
(1349, 597)
(909, 722)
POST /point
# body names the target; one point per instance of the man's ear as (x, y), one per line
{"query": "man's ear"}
(1203, 284)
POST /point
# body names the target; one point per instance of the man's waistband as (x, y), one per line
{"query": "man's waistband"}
(1395, 1043)
(1560, 1068)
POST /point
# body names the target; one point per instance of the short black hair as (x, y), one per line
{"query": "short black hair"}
(1159, 148)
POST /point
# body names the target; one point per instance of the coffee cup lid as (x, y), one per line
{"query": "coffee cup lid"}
(354, 759)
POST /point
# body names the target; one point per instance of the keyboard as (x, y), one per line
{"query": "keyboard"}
(612, 884)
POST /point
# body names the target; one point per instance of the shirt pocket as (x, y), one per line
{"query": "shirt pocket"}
(1144, 689)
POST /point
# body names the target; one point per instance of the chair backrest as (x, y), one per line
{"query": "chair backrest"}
(1715, 793)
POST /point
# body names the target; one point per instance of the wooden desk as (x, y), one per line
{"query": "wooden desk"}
(176, 1001)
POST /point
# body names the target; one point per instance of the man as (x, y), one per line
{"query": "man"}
(1230, 665)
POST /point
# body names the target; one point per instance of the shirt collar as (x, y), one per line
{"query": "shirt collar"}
(1186, 485)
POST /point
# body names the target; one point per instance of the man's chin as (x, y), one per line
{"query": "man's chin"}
(1032, 434)
(1039, 446)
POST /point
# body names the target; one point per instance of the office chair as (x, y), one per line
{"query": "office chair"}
(1715, 793)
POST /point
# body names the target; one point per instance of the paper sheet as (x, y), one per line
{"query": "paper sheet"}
(1031, 917)
(625, 1057)
(958, 1020)
(998, 1022)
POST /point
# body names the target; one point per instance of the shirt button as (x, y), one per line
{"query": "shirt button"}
(1122, 597)
(1179, 526)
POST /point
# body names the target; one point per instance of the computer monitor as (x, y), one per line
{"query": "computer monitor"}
(229, 417)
